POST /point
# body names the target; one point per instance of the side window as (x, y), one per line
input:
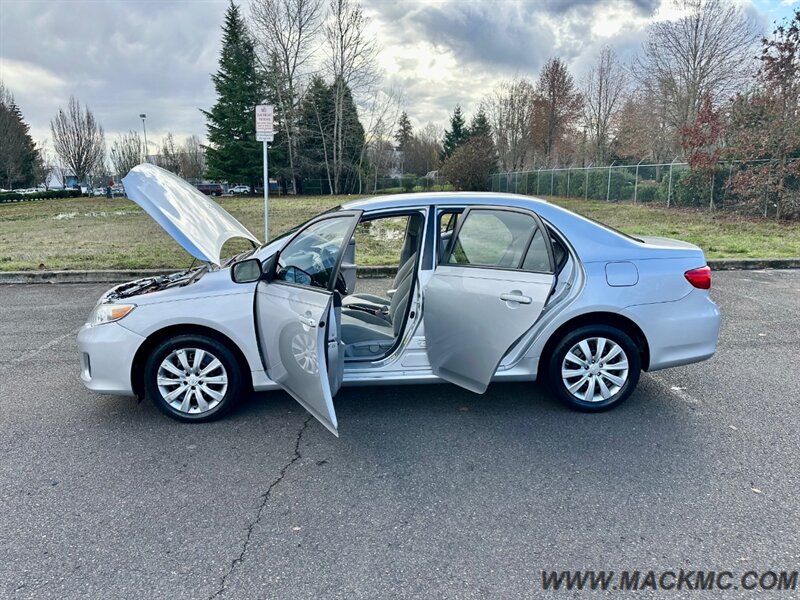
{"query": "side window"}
(447, 224)
(537, 258)
(493, 238)
(560, 255)
(310, 258)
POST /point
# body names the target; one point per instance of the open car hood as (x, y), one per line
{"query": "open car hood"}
(197, 223)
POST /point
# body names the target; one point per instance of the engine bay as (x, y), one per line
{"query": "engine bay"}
(154, 284)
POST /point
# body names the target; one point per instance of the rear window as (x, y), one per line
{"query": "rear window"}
(614, 229)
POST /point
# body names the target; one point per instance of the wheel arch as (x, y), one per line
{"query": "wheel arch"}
(599, 318)
(139, 359)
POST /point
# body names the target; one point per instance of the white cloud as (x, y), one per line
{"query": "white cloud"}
(126, 57)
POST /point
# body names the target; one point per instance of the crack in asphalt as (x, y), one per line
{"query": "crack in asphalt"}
(264, 499)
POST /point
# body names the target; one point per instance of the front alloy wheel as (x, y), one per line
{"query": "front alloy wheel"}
(595, 368)
(192, 378)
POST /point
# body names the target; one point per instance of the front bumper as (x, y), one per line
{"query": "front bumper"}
(681, 332)
(107, 353)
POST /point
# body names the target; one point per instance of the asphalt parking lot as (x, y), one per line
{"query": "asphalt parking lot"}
(430, 492)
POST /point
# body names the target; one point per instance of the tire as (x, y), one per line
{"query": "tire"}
(209, 391)
(571, 372)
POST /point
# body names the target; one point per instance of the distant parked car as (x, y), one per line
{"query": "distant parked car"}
(240, 189)
(99, 191)
(210, 189)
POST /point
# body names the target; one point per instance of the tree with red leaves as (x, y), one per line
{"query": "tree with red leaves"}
(765, 127)
(701, 143)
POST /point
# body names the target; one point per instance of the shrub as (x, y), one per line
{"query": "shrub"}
(691, 188)
(407, 182)
(621, 184)
(44, 195)
(470, 167)
(647, 191)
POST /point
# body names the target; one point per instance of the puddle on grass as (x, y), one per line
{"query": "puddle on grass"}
(96, 214)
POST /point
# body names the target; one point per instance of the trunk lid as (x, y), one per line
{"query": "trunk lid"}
(197, 223)
(667, 243)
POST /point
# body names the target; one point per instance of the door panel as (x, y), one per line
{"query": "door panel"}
(335, 348)
(293, 331)
(298, 315)
(472, 319)
(484, 294)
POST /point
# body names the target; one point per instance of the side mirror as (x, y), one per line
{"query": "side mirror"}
(246, 271)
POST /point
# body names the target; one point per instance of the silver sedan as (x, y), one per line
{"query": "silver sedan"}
(488, 287)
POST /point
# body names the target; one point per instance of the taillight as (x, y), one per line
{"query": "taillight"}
(699, 278)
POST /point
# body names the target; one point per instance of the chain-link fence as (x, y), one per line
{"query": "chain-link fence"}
(670, 184)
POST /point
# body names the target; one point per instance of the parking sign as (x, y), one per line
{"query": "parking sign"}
(264, 123)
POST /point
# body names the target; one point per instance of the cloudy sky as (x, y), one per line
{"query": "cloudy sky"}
(125, 57)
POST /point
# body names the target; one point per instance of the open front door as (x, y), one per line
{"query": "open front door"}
(488, 290)
(297, 315)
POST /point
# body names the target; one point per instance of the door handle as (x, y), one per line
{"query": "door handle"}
(516, 298)
(307, 321)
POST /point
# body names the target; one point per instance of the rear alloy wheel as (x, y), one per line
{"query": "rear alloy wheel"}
(595, 368)
(192, 378)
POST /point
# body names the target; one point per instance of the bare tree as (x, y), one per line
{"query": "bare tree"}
(603, 93)
(127, 151)
(192, 159)
(558, 108)
(78, 139)
(286, 31)
(709, 51)
(44, 165)
(642, 130)
(424, 151)
(6, 97)
(510, 108)
(169, 155)
(352, 65)
(380, 152)
(381, 115)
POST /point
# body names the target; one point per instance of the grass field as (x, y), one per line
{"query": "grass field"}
(96, 233)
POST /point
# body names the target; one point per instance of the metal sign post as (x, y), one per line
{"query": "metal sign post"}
(264, 134)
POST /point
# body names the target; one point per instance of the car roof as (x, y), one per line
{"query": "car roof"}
(445, 198)
(592, 240)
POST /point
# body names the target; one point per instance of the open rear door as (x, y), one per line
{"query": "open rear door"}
(488, 290)
(297, 315)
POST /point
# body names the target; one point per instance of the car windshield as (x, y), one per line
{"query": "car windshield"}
(294, 229)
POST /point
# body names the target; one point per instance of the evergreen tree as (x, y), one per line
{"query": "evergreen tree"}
(479, 125)
(315, 148)
(233, 153)
(316, 130)
(18, 153)
(405, 132)
(352, 144)
(456, 135)
(480, 131)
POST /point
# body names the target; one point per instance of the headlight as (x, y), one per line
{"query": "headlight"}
(107, 313)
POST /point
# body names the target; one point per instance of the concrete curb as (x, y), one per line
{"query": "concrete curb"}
(717, 264)
(110, 276)
(752, 264)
